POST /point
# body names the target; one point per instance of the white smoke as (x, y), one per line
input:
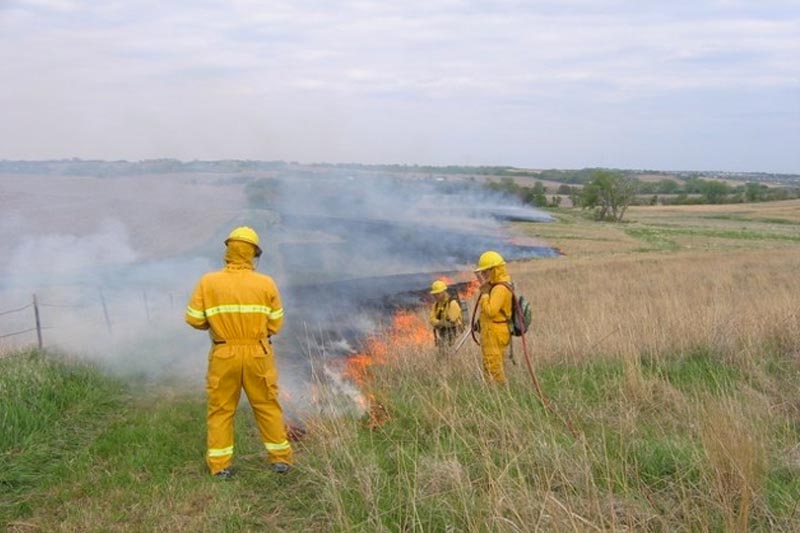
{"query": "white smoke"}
(113, 285)
(45, 259)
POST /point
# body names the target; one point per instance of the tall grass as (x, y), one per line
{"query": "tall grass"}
(80, 451)
(49, 408)
(680, 373)
(732, 303)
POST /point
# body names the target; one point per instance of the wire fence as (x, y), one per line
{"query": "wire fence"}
(35, 324)
(17, 310)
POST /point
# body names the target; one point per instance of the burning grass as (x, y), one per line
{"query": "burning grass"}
(680, 397)
(406, 330)
(679, 369)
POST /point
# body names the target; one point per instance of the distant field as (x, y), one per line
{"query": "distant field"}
(775, 212)
(670, 343)
(671, 228)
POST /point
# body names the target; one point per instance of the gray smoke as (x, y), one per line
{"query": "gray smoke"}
(113, 260)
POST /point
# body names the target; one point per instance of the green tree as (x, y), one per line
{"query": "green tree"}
(609, 194)
(539, 194)
(575, 196)
(754, 192)
(667, 186)
(714, 191)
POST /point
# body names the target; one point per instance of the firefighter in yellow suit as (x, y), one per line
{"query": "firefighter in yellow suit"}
(495, 313)
(445, 317)
(242, 309)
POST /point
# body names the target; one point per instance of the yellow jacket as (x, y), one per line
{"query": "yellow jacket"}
(495, 307)
(446, 314)
(236, 303)
(495, 313)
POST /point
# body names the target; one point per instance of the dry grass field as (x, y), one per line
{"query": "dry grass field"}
(670, 343)
(668, 279)
(765, 226)
(675, 355)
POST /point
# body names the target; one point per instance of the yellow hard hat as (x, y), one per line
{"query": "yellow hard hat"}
(438, 286)
(245, 234)
(489, 260)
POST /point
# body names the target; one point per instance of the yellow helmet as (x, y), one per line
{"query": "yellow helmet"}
(245, 234)
(489, 260)
(438, 286)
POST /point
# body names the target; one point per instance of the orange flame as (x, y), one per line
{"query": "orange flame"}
(471, 289)
(407, 330)
(357, 365)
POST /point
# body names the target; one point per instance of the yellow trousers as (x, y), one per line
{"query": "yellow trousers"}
(231, 366)
(494, 341)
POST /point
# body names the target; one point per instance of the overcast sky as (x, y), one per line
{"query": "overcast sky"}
(685, 84)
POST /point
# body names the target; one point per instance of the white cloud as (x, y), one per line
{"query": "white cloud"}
(59, 6)
(267, 66)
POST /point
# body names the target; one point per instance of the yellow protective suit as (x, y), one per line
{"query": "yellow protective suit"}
(495, 314)
(446, 321)
(242, 308)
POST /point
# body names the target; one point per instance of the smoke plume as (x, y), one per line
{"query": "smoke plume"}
(112, 275)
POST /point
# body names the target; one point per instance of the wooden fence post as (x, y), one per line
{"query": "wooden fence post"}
(105, 310)
(38, 322)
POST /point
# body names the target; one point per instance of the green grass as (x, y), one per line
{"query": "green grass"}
(662, 231)
(743, 217)
(699, 371)
(50, 409)
(82, 450)
(657, 239)
(453, 455)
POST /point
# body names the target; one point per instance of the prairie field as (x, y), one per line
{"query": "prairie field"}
(667, 349)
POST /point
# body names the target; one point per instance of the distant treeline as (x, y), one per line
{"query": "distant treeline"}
(665, 192)
(568, 176)
(583, 176)
(700, 191)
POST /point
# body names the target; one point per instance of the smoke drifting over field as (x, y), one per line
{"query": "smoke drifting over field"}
(342, 248)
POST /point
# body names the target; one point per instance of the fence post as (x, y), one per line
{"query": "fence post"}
(38, 322)
(105, 310)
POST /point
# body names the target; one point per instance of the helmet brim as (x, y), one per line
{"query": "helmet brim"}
(483, 269)
(257, 247)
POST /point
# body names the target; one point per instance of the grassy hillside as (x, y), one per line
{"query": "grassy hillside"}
(670, 343)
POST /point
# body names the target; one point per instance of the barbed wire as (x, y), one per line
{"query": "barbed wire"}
(17, 333)
(42, 304)
(15, 310)
(26, 331)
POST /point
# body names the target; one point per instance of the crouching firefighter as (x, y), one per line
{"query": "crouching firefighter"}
(446, 317)
(242, 309)
(494, 308)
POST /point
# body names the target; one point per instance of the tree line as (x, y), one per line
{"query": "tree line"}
(609, 193)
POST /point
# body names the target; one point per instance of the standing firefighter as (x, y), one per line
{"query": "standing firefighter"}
(494, 306)
(242, 308)
(446, 317)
